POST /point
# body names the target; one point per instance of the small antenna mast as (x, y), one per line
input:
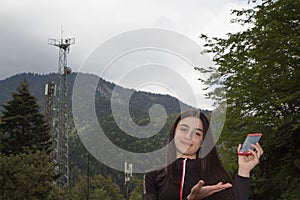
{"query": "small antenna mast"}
(61, 33)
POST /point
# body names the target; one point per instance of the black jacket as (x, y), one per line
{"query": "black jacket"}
(157, 186)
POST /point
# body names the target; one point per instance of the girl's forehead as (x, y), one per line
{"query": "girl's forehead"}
(190, 121)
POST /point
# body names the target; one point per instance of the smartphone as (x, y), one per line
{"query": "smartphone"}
(251, 138)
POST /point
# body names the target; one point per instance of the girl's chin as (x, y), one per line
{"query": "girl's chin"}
(187, 153)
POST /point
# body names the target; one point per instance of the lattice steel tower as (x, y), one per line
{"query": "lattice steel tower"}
(61, 146)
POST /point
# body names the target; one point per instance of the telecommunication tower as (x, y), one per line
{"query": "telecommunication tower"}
(61, 140)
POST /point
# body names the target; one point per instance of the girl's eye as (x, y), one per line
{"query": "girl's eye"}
(184, 129)
(198, 133)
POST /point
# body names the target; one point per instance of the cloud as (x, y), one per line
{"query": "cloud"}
(27, 25)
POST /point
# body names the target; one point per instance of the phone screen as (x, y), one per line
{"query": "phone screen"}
(250, 139)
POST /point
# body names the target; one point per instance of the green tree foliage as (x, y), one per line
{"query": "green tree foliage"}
(260, 70)
(27, 171)
(100, 188)
(137, 192)
(27, 176)
(80, 191)
(22, 125)
(104, 185)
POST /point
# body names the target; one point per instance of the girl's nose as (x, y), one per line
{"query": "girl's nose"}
(189, 135)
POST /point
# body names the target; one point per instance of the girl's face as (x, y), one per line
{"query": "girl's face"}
(188, 137)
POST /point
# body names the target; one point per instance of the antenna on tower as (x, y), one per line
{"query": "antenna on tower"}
(60, 136)
(50, 93)
(61, 32)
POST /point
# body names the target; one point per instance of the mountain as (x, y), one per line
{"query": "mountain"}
(139, 104)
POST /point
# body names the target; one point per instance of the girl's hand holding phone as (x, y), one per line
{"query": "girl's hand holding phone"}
(247, 163)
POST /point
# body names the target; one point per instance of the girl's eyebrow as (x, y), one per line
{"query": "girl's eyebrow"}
(185, 125)
(198, 129)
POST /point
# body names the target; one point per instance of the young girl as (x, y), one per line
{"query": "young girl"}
(194, 176)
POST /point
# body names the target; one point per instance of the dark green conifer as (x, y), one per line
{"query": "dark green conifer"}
(23, 126)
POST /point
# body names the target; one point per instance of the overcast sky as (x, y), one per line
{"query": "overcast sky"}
(27, 25)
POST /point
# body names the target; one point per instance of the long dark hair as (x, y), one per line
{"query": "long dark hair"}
(211, 169)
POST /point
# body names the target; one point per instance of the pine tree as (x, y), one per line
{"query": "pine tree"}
(27, 175)
(22, 125)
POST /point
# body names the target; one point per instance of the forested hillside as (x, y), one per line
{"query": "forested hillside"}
(140, 100)
(82, 164)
